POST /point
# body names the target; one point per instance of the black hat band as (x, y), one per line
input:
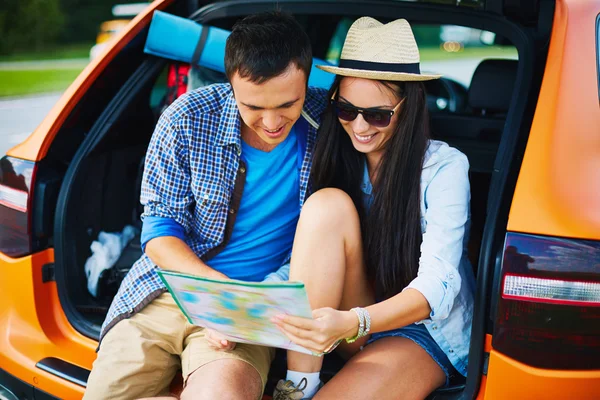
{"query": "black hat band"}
(380, 67)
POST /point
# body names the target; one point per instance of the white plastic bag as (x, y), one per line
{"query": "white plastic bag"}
(105, 253)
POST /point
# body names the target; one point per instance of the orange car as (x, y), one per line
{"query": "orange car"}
(528, 122)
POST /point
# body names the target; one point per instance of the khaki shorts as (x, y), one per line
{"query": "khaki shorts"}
(140, 356)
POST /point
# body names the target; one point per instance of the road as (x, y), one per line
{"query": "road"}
(20, 116)
(44, 64)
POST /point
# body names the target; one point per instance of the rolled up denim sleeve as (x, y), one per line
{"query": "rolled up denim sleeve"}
(166, 184)
(447, 211)
(154, 227)
(281, 275)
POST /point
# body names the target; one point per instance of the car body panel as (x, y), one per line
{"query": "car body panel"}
(558, 190)
(35, 147)
(510, 379)
(34, 326)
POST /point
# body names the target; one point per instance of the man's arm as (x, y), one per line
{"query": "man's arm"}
(167, 198)
(173, 254)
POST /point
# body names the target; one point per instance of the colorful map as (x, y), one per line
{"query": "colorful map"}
(240, 310)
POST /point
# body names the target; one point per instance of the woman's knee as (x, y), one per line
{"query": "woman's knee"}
(329, 206)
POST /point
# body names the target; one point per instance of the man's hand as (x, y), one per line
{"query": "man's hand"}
(218, 341)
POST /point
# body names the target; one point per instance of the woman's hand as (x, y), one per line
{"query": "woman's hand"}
(218, 341)
(321, 333)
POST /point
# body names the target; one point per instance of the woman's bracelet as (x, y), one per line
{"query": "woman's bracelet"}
(367, 321)
(364, 324)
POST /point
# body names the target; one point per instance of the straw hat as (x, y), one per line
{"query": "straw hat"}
(379, 51)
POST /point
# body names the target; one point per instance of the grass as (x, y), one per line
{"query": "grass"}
(437, 54)
(23, 82)
(79, 50)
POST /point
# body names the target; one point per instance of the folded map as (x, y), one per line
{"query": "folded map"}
(240, 310)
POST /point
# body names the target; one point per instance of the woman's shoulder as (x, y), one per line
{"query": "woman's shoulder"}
(443, 165)
(439, 155)
(445, 171)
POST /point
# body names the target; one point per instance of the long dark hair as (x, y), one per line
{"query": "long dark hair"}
(392, 226)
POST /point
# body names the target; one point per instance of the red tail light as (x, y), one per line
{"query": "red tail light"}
(549, 308)
(16, 179)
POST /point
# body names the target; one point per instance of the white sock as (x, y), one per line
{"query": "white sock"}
(312, 381)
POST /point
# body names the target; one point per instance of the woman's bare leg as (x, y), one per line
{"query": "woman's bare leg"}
(390, 368)
(328, 257)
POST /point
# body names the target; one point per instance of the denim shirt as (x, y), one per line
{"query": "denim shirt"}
(445, 277)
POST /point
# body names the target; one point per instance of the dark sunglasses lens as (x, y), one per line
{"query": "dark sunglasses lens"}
(345, 113)
(377, 118)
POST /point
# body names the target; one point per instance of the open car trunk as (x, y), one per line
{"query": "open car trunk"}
(104, 196)
(100, 191)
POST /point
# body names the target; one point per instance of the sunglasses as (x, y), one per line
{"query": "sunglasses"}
(379, 117)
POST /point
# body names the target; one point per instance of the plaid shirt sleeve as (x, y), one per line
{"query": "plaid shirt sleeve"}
(166, 185)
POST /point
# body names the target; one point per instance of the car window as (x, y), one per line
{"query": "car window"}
(321, 30)
(450, 50)
(456, 51)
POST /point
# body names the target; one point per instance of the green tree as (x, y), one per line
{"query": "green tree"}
(427, 35)
(29, 24)
(83, 18)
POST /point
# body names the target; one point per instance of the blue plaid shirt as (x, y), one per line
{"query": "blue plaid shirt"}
(191, 168)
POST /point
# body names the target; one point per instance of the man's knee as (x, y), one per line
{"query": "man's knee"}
(227, 379)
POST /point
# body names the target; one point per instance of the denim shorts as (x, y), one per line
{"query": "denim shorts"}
(420, 335)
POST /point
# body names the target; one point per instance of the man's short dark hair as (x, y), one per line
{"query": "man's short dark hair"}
(262, 46)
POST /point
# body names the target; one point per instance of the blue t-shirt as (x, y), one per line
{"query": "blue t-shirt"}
(264, 228)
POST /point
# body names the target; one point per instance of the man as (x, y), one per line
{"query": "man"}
(226, 175)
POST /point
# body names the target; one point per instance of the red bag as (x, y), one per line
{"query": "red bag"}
(177, 81)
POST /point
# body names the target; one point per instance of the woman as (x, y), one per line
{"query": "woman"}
(381, 243)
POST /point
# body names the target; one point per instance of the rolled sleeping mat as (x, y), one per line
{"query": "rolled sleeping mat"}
(184, 40)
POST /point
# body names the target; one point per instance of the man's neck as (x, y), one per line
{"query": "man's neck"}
(252, 139)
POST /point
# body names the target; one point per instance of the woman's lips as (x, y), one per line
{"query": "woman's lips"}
(364, 139)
